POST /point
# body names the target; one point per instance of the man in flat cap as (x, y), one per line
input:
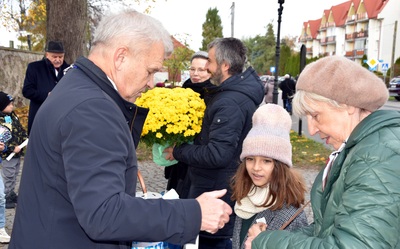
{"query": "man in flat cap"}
(42, 76)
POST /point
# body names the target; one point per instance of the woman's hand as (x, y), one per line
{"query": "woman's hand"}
(254, 231)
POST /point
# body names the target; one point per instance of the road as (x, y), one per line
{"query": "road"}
(392, 105)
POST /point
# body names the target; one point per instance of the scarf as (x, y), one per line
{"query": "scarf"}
(251, 204)
(328, 166)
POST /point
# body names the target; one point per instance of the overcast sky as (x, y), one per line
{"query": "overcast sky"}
(182, 17)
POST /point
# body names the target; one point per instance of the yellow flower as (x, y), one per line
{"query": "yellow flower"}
(175, 115)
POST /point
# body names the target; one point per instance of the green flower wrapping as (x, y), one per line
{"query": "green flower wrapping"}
(175, 116)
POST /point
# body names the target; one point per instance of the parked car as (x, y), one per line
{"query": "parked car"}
(394, 88)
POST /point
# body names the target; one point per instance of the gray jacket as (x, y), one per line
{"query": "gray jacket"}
(274, 219)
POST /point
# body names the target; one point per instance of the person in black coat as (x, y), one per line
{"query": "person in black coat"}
(198, 81)
(42, 76)
(288, 87)
(213, 158)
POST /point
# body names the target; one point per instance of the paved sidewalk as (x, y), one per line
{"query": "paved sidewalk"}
(153, 176)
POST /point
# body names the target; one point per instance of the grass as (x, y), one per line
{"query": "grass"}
(306, 152)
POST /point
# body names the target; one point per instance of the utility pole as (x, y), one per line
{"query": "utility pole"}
(393, 51)
(232, 18)
(303, 51)
(277, 53)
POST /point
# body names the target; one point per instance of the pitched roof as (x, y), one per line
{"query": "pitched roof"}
(325, 16)
(177, 43)
(356, 3)
(314, 27)
(340, 12)
(374, 7)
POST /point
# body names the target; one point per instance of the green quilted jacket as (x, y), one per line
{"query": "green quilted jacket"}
(360, 207)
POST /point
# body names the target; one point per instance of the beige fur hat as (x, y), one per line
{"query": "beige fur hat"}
(345, 81)
(270, 134)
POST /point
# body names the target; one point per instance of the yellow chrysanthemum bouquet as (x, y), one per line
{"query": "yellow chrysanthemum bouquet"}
(175, 117)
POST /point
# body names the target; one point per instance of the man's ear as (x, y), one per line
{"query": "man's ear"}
(225, 67)
(120, 57)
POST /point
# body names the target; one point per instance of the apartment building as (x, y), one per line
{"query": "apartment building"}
(356, 28)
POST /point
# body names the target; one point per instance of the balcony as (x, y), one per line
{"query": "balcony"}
(355, 53)
(351, 36)
(349, 54)
(351, 19)
(328, 40)
(360, 53)
(327, 25)
(324, 54)
(362, 17)
(362, 34)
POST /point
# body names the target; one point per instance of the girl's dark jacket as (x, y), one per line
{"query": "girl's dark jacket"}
(214, 156)
(80, 171)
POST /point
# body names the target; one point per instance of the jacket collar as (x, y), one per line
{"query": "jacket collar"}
(134, 115)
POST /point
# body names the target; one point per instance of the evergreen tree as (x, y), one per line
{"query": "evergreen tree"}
(212, 28)
(261, 51)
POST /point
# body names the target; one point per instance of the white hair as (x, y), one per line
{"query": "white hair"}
(131, 28)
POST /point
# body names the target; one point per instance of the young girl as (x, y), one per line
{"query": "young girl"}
(265, 187)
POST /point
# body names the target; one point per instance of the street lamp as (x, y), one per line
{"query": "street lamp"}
(277, 52)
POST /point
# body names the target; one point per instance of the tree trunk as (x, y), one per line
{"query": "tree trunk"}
(67, 22)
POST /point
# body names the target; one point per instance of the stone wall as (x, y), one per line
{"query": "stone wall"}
(13, 64)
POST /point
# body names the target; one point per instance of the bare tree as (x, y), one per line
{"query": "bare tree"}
(67, 22)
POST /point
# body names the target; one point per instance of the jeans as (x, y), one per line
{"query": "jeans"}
(2, 204)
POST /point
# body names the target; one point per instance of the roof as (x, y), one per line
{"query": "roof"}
(340, 12)
(177, 43)
(374, 7)
(314, 27)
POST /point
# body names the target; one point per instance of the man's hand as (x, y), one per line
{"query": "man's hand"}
(214, 212)
(168, 153)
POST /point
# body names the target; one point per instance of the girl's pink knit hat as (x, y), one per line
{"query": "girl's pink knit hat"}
(270, 134)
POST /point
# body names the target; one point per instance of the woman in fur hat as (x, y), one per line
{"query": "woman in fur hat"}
(356, 197)
(265, 185)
